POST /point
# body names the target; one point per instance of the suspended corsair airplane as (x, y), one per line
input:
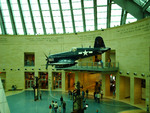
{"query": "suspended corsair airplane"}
(67, 59)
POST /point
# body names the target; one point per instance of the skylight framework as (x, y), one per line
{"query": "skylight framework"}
(31, 17)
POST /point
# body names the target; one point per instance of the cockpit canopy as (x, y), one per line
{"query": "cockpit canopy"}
(74, 49)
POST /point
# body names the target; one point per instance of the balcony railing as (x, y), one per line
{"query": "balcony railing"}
(95, 66)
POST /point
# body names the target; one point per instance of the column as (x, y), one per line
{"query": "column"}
(63, 80)
(132, 90)
(147, 92)
(103, 83)
(50, 78)
(117, 86)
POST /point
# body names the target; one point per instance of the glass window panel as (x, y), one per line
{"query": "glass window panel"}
(9, 31)
(7, 19)
(90, 10)
(68, 24)
(130, 18)
(4, 6)
(90, 22)
(57, 19)
(24, 2)
(30, 31)
(8, 25)
(77, 18)
(13, 1)
(48, 25)
(79, 29)
(77, 12)
(113, 23)
(89, 16)
(54, 1)
(26, 13)
(44, 7)
(20, 31)
(33, 1)
(148, 9)
(37, 19)
(29, 25)
(47, 19)
(65, 6)
(58, 25)
(76, 5)
(14, 6)
(66, 13)
(101, 2)
(18, 25)
(35, 7)
(49, 31)
(38, 25)
(102, 9)
(0, 30)
(102, 26)
(43, 1)
(36, 13)
(56, 13)
(5, 12)
(59, 30)
(16, 13)
(46, 13)
(17, 19)
(3, 1)
(88, 3)
(78, 23)
(25, 7)
(89, 28)
(55, 6)
(39, 31)
(69, 30)
(27, 19)
(68, 18)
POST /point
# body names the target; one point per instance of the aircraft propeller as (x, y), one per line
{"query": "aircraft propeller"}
(46, 60)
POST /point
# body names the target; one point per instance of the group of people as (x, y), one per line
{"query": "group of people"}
(98, 96)
(54, 106)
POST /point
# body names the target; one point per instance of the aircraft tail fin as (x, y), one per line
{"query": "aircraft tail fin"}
(99, 43)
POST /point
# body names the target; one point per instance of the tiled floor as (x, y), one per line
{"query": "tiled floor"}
(23, 102)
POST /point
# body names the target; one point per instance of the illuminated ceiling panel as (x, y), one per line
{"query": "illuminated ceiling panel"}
(28, 17)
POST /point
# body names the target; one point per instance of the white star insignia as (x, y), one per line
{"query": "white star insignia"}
(85, 53)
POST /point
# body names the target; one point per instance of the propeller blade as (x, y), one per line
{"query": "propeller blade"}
(46, 56)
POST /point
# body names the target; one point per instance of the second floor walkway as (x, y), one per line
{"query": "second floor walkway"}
(94, 66)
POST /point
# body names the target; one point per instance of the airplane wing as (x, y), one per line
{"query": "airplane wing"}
(64, 62)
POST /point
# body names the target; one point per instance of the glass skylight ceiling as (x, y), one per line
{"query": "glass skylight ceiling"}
(57, 16)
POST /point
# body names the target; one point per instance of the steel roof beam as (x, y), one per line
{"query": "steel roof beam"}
(62, 18)
(132, 8)
(32, 19)
(11, 18)
(108, 13)
(95, 13)
(123, 17)
(146, 6)
(52, 19)
(72, 16)
(42, 19)
(83, 15)
(22, 19)
(3, 28)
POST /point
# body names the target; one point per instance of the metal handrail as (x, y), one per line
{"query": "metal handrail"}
(97, 65)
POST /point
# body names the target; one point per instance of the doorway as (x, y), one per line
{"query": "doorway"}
(57, 80)
(29, 80)
(43, 80)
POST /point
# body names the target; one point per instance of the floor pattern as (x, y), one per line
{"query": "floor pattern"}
(24, 103)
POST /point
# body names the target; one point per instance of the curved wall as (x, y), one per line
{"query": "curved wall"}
(131, 43)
